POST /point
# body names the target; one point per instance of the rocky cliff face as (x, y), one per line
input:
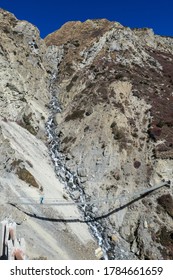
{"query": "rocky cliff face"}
(115, 89)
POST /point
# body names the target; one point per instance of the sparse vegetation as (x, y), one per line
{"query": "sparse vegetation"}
(67, 139)
(137, 164)
(26, 176)
(165, 237)
(70, 85)
(16, 163)
(26, 123)
(119, 135)
(166, 201)
(77, 114)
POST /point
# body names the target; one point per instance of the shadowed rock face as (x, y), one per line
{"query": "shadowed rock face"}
(115, 87)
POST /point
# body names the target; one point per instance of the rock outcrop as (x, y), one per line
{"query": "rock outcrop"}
(115, 88)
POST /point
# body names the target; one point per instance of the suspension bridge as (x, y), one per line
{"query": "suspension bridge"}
(57, 202)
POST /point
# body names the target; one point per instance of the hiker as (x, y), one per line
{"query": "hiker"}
(41, 199)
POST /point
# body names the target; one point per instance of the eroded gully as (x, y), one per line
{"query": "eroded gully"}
(70, 179)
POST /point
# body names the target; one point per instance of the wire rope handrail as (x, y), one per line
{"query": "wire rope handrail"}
(57, 202)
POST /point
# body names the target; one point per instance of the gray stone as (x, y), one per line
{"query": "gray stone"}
(76, 195)
(82, 172)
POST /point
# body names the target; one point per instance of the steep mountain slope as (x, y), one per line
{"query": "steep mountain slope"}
(26, 170)
(116, 89)
(96, 97)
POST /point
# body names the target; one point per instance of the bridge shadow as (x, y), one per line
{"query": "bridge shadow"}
(85, 219)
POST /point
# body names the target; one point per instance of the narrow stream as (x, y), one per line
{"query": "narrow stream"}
(71, 180)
